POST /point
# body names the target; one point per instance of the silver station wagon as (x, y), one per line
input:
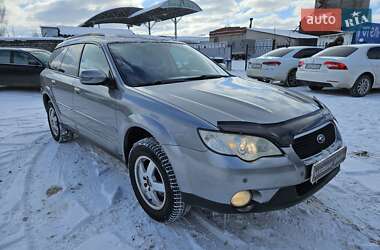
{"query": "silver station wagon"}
(190, 133)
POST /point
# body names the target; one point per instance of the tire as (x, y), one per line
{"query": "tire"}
(154, 182)
(291, 80)
(316, 88)
(59, 133)
(362, 86)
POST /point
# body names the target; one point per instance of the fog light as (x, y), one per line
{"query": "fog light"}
(241, 199)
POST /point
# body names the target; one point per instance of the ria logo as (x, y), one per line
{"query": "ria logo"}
(354, 17)
(321, 138)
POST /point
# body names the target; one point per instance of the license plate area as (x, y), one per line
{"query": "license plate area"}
(256, 65)
(313, 66)
(325, 166)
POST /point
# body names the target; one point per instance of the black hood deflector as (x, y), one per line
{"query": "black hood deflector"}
(282, 134)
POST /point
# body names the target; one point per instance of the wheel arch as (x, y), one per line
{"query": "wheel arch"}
(372, 75)
(133, 135)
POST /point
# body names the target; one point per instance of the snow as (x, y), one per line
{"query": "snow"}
(96, 208)
(75, 31)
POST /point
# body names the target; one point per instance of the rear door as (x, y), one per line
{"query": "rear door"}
(61, 77)
(374, 58)
(95, 105)
(26, 68)
(6, 72)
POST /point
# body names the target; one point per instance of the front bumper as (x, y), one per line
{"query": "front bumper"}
(284, 198)
(209, 180)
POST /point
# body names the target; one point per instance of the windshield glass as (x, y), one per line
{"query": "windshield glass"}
(149, 63)
(278, 52)
(42, 56)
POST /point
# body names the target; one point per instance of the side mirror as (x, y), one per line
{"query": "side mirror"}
(93, 77)
(223, 66)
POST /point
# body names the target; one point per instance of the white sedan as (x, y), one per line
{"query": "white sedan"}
(354, 67)
(280, 64)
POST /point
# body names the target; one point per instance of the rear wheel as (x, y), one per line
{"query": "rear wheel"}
(362, 86)
(59, 133)
(154, 182)
(317, 88)
(291, 81)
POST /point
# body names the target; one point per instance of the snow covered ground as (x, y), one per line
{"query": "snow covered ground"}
(75, 196)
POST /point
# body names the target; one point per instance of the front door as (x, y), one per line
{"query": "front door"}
(95, 105)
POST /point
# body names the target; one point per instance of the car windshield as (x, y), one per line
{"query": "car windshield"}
(150, 63)
(342, 51)
(42, 56)
(278, 52)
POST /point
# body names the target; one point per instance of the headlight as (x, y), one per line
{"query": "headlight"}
(247, 148)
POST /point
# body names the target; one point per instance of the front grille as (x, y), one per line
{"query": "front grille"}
(309, 145)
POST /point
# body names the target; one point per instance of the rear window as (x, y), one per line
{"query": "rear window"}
(278, 52)
(338, 52)
(305, 53)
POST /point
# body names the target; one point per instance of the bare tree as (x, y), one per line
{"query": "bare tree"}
(3, 22)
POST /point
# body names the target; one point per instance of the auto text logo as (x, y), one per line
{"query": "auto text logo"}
(334, 19)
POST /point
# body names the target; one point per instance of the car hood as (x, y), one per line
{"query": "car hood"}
(234, 99)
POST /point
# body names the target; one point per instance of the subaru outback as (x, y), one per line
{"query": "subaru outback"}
(190, 133)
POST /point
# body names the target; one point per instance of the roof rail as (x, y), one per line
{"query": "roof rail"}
(88, 34)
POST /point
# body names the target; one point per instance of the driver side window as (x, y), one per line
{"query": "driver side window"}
(93, 58)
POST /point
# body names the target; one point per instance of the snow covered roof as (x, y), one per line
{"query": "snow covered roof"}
(25, 38)
(75, 31)
(287, 33)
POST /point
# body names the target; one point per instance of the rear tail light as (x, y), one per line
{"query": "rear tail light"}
(336, 65)
(301, 64)
(272, 63)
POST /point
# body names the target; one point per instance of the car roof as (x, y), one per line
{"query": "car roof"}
(301, 47)
(23, 49)
(106, 39)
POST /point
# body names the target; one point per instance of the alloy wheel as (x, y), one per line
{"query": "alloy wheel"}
(150, 182)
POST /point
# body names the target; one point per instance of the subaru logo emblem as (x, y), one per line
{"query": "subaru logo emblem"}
(321, 138)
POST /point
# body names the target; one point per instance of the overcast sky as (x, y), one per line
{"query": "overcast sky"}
(24, 17)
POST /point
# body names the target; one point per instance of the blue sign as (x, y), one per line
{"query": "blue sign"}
(368, 33)
(353, 18)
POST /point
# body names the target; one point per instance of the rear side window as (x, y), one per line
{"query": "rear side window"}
(374, 53)
(70, 62)
(279, 52)
(56, 58)
(305, 53)
(5, 57)
(94, 58)
(340, 51)
(22, 58)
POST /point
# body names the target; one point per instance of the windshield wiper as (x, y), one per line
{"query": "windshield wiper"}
(185, 79)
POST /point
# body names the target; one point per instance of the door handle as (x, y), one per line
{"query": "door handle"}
(77, 90)
(53, 82)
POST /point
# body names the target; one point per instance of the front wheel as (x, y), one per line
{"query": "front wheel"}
(362, 86)
(154, 183)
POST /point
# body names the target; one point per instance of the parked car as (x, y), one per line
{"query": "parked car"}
(190, 133)
(353, 67)
(280, 64)
(21, 67)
